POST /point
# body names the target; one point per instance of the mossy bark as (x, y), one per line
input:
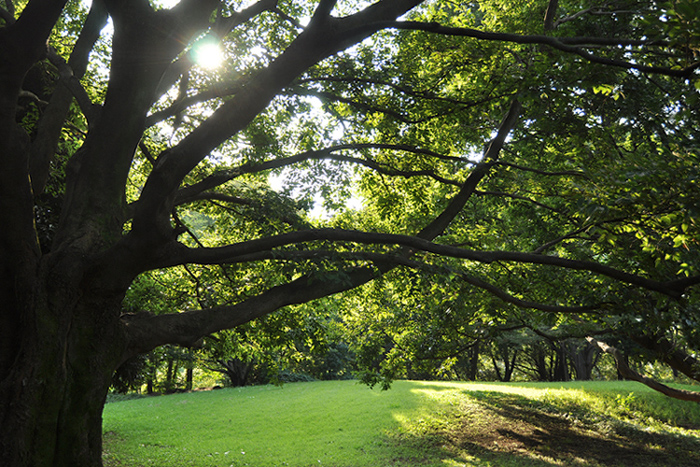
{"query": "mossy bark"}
(69, 345)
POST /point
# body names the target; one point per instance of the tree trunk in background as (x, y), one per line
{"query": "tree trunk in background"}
(152, 374)
(503, 352)
(583, 357)
(473, 362)
(561, 366)
(189, 377)
(236, 369)
(509, 366)
(539, 359)
(169, 375)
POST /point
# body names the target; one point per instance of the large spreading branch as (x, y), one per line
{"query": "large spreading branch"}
(670, 355)
(571, 45)
(179, 254)
(546, 173)
(425, 95)
(144, 43)
(369, 107)
(323, 10)
(146, 331)
(216, 91)
(330, 153)
(502, 194)
(398, 259)
(51, 123)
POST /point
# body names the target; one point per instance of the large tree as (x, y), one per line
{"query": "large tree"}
(135, 150)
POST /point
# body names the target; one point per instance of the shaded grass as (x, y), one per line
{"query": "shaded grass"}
(415, 423)
(570, 425)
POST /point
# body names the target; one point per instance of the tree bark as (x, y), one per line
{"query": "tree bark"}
(539, 360)
(502, 352)
(189, 376)
(56, 388)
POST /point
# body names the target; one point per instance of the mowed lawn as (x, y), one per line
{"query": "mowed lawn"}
(346, 424)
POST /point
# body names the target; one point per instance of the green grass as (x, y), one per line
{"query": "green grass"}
(345, 424)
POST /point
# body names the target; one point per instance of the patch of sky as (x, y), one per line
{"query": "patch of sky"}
(579, 112)
(311, 181)
(165, 3)
(280, 183)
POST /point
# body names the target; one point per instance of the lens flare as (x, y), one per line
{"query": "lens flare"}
(207, 53)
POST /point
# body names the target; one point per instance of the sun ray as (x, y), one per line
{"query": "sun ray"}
(207, 53)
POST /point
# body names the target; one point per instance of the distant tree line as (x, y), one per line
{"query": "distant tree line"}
(518, 355)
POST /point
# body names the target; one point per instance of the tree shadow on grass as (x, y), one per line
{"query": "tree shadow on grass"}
(506, 429)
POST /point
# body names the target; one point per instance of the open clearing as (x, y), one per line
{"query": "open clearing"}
(344, 424)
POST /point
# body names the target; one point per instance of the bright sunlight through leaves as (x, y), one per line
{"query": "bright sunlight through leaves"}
(207, 53)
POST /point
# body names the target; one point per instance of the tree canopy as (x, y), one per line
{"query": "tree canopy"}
(525, 163)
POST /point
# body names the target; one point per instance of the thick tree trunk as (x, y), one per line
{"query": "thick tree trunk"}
(54, 391)
(53, 415)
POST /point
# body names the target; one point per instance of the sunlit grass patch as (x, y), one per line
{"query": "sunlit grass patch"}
(297, 424)
(415, 423)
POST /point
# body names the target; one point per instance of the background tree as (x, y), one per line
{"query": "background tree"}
(599, 179)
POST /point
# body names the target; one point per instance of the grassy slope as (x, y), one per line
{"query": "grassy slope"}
(345, 424)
